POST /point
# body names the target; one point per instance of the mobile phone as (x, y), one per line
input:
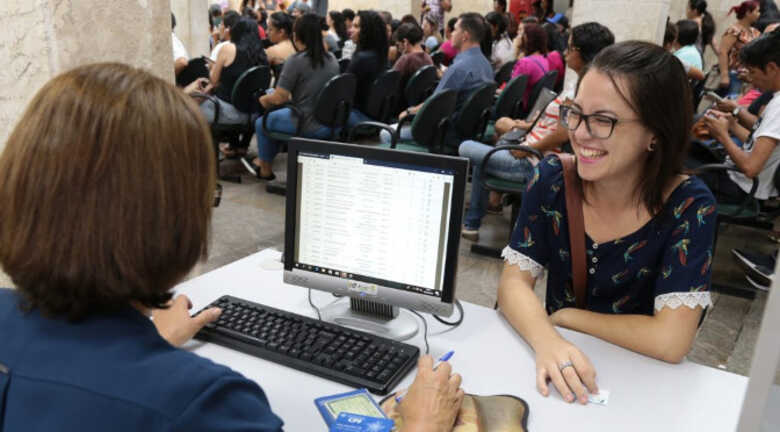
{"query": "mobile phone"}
(712, 95)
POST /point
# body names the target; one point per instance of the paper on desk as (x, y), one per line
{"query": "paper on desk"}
(602, 398)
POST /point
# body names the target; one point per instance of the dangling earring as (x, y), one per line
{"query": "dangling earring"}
(651, 147)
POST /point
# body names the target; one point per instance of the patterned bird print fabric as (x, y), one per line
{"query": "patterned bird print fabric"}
(672, 253)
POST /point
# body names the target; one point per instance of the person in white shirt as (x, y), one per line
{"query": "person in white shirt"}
(759, 157)
(502, 50)
(180, 56)
(229, 19)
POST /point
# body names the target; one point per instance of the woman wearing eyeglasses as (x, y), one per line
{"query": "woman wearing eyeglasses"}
(648, 228)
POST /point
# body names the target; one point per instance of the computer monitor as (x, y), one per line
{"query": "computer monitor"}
(379, 226)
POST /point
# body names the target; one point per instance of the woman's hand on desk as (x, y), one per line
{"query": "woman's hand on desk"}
(567, 367)
(433, 400)
(175, 323)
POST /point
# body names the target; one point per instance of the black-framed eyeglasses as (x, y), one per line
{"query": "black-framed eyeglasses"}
(599, 125)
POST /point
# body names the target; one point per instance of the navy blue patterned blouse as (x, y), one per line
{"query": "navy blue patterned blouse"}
(664, 263)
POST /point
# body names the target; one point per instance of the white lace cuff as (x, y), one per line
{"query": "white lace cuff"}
(689, 299)
(514, 257)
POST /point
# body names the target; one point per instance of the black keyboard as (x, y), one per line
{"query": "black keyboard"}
(327, 350)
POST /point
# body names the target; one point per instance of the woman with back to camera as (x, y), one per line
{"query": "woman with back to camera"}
(368, 61)
(697, 11)
(90, 271)
(280, 33)
(303, 77)
(648, 228)
(735, 37)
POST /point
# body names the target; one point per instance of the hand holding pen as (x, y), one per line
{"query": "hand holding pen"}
(441, 360)
(434, 398)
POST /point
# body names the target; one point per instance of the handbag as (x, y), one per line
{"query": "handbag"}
(499, 413)
(576, 220)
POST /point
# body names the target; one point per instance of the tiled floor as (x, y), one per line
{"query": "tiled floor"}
(250, 219)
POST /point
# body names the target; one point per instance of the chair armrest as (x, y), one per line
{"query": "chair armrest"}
(212, 99)
(394, 133)
(488, 155)
(295, 111)
(726, 167)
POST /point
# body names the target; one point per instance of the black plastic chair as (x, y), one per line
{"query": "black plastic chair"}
(277, 71)
(344, 64)
(196, 68)
(334, 103)
(547, 81)
(473, 117)
(751, 212)
(244, 96)
(514, 190)
(510, 100)
(421, 85)
(383, 98)
(429, 125)
(504, 73)
(438, 57)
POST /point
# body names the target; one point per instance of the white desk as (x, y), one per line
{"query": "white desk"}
(645, 394)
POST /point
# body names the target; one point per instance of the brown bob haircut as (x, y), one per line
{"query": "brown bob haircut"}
(107, 184)
(658, 91)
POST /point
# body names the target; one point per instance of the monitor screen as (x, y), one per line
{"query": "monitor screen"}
(371, 219)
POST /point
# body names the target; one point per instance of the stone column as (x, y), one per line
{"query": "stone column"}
(635, 19)
(42, 38)
(192, 25)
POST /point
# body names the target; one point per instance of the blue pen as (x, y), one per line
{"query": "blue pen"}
(441, 360)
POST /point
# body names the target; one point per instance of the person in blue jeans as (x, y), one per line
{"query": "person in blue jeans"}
(469, 70)
(585, 42)
(303, 77)
(76, 334)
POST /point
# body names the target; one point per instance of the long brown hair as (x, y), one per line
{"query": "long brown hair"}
(107, 185)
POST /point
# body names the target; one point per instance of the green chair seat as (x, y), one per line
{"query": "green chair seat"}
(502, 185)
(490, 131)
(733, 210)
(407, 146)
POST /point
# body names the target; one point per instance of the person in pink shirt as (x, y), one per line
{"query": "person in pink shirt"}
(449, 51)
(535, 63)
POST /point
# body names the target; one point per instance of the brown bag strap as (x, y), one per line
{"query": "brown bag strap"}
(576, 228)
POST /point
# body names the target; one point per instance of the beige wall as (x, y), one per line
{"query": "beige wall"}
(42, 38)
(192, 25)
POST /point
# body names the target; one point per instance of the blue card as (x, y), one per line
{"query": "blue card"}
(347, 422)
(354, 402)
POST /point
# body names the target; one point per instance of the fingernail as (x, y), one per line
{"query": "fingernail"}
(568, 398)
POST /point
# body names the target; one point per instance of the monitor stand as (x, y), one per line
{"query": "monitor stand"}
(376, 318)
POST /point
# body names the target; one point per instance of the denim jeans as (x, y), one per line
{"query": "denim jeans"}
(406, 134)
(355, 117)
(501, 164)
(281, 121)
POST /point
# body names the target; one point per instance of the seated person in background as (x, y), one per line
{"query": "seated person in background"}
(501, 47)
(298, 8)
(280, 29)
(244, 51)
(446, 47)
(585, 42)
(180, 57)
(648, 228)
(687, 34)
(337, 29)
(469, 70)
(534, 63)
(85, 292)
(303, 77)
(368, 61)
(759, 157)
(670, 44)
(229, 19)
(413, 56)
(431, 37)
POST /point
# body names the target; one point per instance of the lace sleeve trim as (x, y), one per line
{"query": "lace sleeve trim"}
(514, 257)
(690, 299)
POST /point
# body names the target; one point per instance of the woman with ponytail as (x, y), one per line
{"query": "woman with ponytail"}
(697, 11)
(736, 36)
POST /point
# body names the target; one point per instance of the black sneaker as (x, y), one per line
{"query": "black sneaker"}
(759, 267)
